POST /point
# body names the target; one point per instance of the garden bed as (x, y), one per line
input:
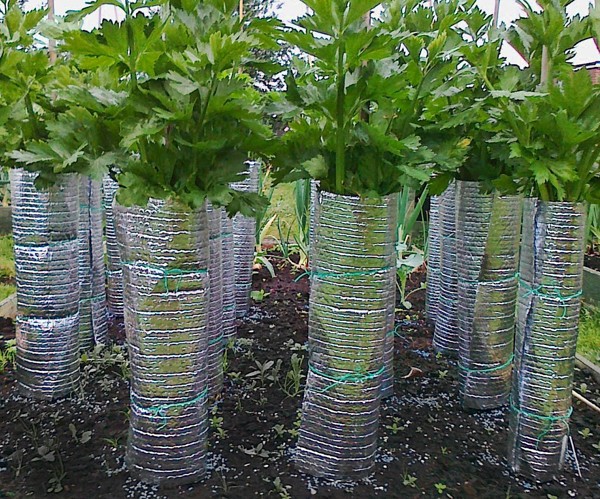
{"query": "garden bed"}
(429, 447)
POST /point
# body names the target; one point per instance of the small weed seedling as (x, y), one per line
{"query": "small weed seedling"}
(50, 454)
(279, 430)
(293, 379)
(8, 355)
(258, 296)
(262, 371)
(281, 489)
(409, 480)
(440, 487)
(84, 438)
(585, 433)
(396, 426)
(216, 423)
(256, 451)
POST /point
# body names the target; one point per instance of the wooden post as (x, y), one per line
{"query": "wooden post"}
(51, 42)
(496, 18)
(241, 9)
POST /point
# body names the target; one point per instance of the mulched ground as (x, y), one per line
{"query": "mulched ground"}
(429, 447)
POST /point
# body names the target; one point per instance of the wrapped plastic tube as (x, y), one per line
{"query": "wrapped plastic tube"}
(445, 337)
(387, 378)
(45, 226)
(165, 256)
(352, 274)
(314, 199)
(549, 301)
(487, 248)
(433, 259)
(93, 318)
(228, 274)
(114, 271)
(215, 307)
(244, 239)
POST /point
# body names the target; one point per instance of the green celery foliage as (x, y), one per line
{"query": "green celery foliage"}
(550, 129)
(165, 97)
(352, 105)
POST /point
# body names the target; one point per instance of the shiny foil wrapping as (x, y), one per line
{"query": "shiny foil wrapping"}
(314, 199)
(214, 355)
(488, 233)
(549, 301)
(352, 274)
(387, 378)
(93, 316)
(445, 337)
(165, 255)
(244, 240)
(228, 275)
(45, 224)
(114, 271)
(434, 243)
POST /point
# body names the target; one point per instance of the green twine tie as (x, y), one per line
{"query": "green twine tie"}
(488, 370)
(161, 410)
(549, 420)
(314, 273)
(554, 294)
(215, 341)
(178, 274)
(360, 375)
(394, 332)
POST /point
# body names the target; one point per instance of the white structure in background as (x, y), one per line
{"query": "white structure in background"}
(587, 52)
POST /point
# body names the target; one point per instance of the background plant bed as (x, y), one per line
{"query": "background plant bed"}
(591, 282)
(8, 307)
(429, 447)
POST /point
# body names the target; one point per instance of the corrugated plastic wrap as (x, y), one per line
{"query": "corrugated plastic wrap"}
(228, 274)
(114, 271)
(244, 239)
(314, 200)
(388, 376)
(165, 256)
(549, 302)
(215, 308)
(433, 259)
(45, 226)
(487, 248)
(445, 338)
(352, 274)
(93, 317)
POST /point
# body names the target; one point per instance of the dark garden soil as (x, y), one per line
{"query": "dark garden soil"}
(429, 447)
